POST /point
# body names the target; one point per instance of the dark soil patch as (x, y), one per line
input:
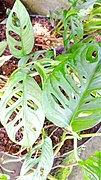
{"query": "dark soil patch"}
(4, 5)
(44, 39)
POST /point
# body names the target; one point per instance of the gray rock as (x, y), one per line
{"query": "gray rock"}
(43, 7)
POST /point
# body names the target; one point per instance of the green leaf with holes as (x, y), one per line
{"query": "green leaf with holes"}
(42, 164)
(71, 97)
(19, 31)
(21, 109)
(92, 166)
(94, 21)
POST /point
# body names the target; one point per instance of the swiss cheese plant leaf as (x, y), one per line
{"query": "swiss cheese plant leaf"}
(94, 23)
(19, 31)
(3, 45)
(41, 165)
(21, 110)
(92, 166)
(77, 28)
(71, 97)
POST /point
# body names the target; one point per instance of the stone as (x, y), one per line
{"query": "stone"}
(43, 7)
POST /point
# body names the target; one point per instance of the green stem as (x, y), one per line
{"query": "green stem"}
(50, 177)
(90, 135)
(75, 150)
(64, 138)
(84, 136)
(61, 144)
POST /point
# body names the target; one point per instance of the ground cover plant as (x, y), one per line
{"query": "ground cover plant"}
(69, 94)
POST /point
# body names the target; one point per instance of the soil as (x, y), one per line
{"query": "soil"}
(44, 39)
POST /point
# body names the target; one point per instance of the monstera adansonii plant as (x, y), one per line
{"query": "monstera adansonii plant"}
(70, 97)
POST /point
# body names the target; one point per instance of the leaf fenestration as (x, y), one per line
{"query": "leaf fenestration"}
(21, 109)
(70, 97)
(42, 164)
(19, 24)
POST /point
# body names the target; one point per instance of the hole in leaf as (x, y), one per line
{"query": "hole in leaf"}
(15, 20)
(32, 105)
(19, 94)
(41, 170)
(73, 96)
(57, 101)
(18, 109)
(14, 35)
(19, 134)
(34, 129)
(87, 102)
(24, 27)
(69, 70)
(76, 25)
(18, 48)
(83, 114)
(11, 117)
(76, 79)
(94, 54)
(93, 95)
(84, 79)
(37, 79)
(14, 14)
(64, 93)
(18, 122)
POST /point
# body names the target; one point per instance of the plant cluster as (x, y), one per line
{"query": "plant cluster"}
(69, 94)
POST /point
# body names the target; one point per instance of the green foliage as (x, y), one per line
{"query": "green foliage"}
(24, 106)
(73, 2)
(19, 24)
(93, 23)
(92, 166)
(4, 177)
(69, 94)
(42, 164)
(71, 21)
(63, 173)
(69, 91)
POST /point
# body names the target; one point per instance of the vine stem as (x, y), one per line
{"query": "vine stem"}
(90, 135)
(64, 138)
(76, 150)
(50, 177)
(61, 143)
(64, 166)
(84, 136)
